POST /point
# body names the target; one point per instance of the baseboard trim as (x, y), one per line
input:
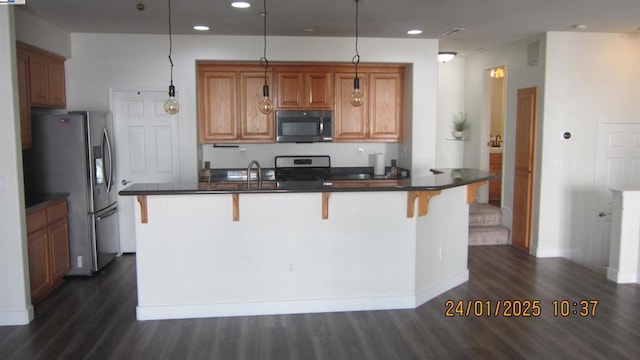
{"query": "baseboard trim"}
(622, 278)
(550, 252)
(273, 308)
(428, 293)
(12, 318)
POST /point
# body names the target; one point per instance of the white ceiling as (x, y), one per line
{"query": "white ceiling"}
(488, 23)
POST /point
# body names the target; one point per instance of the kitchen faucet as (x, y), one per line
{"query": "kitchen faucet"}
(257, 164)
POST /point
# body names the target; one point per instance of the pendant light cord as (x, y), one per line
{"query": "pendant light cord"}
(170, 44)
(356, 58)
(263, 60)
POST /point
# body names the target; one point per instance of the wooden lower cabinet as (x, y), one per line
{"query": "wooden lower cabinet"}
(48, 247)
(39, 267)
(495, 186)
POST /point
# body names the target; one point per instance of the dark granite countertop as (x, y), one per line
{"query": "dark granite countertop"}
(438, 180)
(34, 202)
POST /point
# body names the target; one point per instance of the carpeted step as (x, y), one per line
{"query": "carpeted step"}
(484, 214)
(488, 235)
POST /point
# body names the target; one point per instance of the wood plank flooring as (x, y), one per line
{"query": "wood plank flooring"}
(94, 318)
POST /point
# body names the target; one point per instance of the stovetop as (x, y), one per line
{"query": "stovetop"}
(299, 168)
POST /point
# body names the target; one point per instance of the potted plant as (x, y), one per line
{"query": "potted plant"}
(460, 124)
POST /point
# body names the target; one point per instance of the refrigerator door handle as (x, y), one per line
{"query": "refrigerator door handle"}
(107, 214)
(110, 177)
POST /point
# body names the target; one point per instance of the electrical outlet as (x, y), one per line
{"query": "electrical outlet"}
(360, 151)
(79, 262)
(291, 267)
(243, 152)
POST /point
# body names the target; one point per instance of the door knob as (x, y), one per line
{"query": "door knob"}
(125, 182)
(602, 214)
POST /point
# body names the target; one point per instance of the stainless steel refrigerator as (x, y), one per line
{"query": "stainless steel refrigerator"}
(74, 153)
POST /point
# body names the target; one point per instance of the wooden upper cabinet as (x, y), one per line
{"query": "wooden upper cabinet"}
(254, 125)
(349, 122)
(228, 98)
(304, 88)
(229, 94)
(23, 96)
(46, 77)
(57, 89)
(386, 106)
(217, 105)
(380, 118)
(39, 80)
(319, 90)
(290, 90)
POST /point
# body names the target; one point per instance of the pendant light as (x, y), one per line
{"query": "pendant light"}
(357, 97)
(266, 105)
(171, 106)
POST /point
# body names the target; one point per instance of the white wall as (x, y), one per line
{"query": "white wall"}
(101, 62)
(15, 300)
(590, 76)
(477, 103)
(40, 33)
(451, 101)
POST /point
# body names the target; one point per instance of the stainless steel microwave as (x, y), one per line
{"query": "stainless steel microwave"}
(304, 126)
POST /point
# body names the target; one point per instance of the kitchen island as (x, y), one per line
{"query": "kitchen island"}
(207, 252)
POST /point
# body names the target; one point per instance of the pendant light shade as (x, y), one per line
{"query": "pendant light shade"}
(265, 105)
(357, 97)
(171, 106)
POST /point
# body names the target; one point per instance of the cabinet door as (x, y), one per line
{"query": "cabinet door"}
(39, 268)
(58, 234)
(23, 96)
(254, 125)
(57, 92)
(39, 79)
(349, 122)
(318, 91)
(290, 89)
(217, 105)
(385, 106)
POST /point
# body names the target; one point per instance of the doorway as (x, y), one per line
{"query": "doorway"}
(497, 81)
(148, 149)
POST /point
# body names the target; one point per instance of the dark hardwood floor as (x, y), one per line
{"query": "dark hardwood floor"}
(94, 318)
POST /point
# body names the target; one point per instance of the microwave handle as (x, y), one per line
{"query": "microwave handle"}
(322, 126)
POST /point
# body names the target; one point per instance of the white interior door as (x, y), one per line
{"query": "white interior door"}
(617, 166)
(147, 150)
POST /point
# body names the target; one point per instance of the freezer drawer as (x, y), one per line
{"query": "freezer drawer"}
(107, 244)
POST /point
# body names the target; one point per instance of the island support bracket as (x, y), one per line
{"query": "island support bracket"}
(325, 205)
(144, 217)
(471, 191)
(423, 201)
(235, 198)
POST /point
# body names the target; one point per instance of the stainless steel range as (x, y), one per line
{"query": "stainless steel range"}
(298, 171)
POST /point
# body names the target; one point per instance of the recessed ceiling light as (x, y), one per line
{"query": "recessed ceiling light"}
(308, 30)
(200, 27)
(414, 32)
(240, 4)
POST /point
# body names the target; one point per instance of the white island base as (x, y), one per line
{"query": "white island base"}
(282, 257)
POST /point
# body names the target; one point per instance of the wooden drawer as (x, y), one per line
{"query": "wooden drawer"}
(36, 220)
(57, 211)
